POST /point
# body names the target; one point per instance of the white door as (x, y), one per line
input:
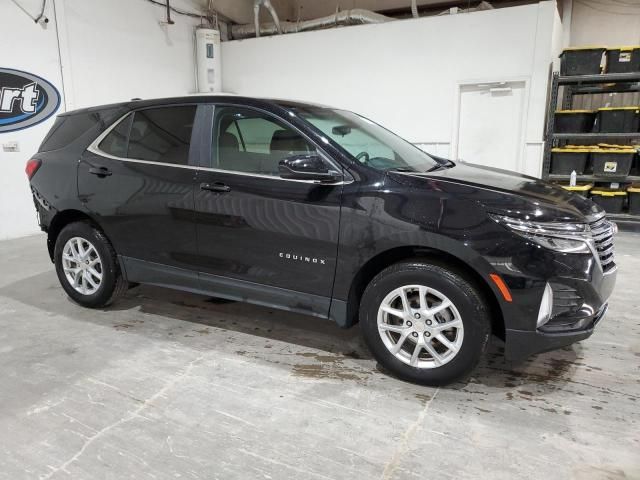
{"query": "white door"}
(490, 125)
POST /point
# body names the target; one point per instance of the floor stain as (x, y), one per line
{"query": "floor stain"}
(424, 398)
(321, 371)
(320, 357)
(127, 325)
(324, 365)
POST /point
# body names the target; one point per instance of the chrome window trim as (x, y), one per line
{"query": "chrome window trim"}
(93, 148)
(272, 177)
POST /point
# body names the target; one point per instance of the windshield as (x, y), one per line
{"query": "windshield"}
(366, 141)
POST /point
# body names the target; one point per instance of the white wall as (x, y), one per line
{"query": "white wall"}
(605, 22)
(24, 46)
(110, 50)
(406, 74)
(118, 50)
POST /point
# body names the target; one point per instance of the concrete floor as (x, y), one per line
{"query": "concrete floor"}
(168, 385)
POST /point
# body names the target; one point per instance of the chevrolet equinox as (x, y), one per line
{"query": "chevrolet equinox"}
(323, 212)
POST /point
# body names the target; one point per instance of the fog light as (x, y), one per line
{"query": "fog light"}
(546, 306)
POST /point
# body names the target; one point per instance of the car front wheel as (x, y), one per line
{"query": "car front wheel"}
(425, 323)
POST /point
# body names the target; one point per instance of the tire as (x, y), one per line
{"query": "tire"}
(97, 292)
(464, 326)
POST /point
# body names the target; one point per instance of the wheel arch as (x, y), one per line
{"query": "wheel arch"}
(445, 259)
(61, 220)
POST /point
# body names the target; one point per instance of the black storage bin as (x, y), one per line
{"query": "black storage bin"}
(634, 199)
(611, 200)
(623, 59)
(573, 121)
(566, 160)
(635, 165)
(613, 162)
(618, 120)
(581, 61)
(581, 188)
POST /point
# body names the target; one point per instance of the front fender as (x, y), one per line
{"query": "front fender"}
(385, 226)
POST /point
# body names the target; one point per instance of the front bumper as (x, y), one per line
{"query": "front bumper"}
(520, 344)
(581, 288)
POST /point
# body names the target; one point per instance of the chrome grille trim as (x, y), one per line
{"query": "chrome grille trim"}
(605, 252)
(602, 233)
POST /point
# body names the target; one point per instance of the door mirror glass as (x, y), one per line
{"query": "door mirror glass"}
(307, 167)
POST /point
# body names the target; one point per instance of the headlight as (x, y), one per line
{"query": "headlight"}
(561, 237)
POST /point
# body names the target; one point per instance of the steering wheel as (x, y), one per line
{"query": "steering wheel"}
(363, 157)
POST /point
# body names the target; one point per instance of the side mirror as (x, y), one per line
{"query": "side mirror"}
(307, 166)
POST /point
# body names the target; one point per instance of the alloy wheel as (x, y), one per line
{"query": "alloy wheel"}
(82, 265)
(420, 326)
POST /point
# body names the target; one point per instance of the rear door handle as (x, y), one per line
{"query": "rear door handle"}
(215, 187)
(100, 171)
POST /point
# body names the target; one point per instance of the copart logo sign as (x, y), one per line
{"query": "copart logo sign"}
(25, 100)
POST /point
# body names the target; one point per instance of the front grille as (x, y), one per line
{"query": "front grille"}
(602, 232)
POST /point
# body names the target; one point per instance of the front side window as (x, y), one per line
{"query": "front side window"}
(160, 134)
(250, 141)
(367, 141)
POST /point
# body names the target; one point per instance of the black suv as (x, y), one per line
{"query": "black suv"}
(323, 212)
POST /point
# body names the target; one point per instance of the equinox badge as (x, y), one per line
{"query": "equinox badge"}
(301, 258)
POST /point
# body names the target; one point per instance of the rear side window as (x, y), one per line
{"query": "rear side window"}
(155, 134)
(68, 128)
(118, 139)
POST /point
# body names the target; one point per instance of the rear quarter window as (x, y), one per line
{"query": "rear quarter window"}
(68, 128)
(117, 141)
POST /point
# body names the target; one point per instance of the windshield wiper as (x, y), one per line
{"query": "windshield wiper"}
(449, 164)
(446, 164)
(401, 169)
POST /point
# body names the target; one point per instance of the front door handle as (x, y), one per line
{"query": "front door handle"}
(100, 171)
(215, 187)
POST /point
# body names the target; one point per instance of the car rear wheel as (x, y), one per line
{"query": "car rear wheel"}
(425, 323)
(87, 266)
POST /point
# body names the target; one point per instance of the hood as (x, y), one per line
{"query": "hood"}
(508, 193)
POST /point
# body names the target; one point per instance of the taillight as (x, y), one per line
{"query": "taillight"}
(32, 167)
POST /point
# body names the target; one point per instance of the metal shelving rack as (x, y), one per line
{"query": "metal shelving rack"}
(581, 85)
